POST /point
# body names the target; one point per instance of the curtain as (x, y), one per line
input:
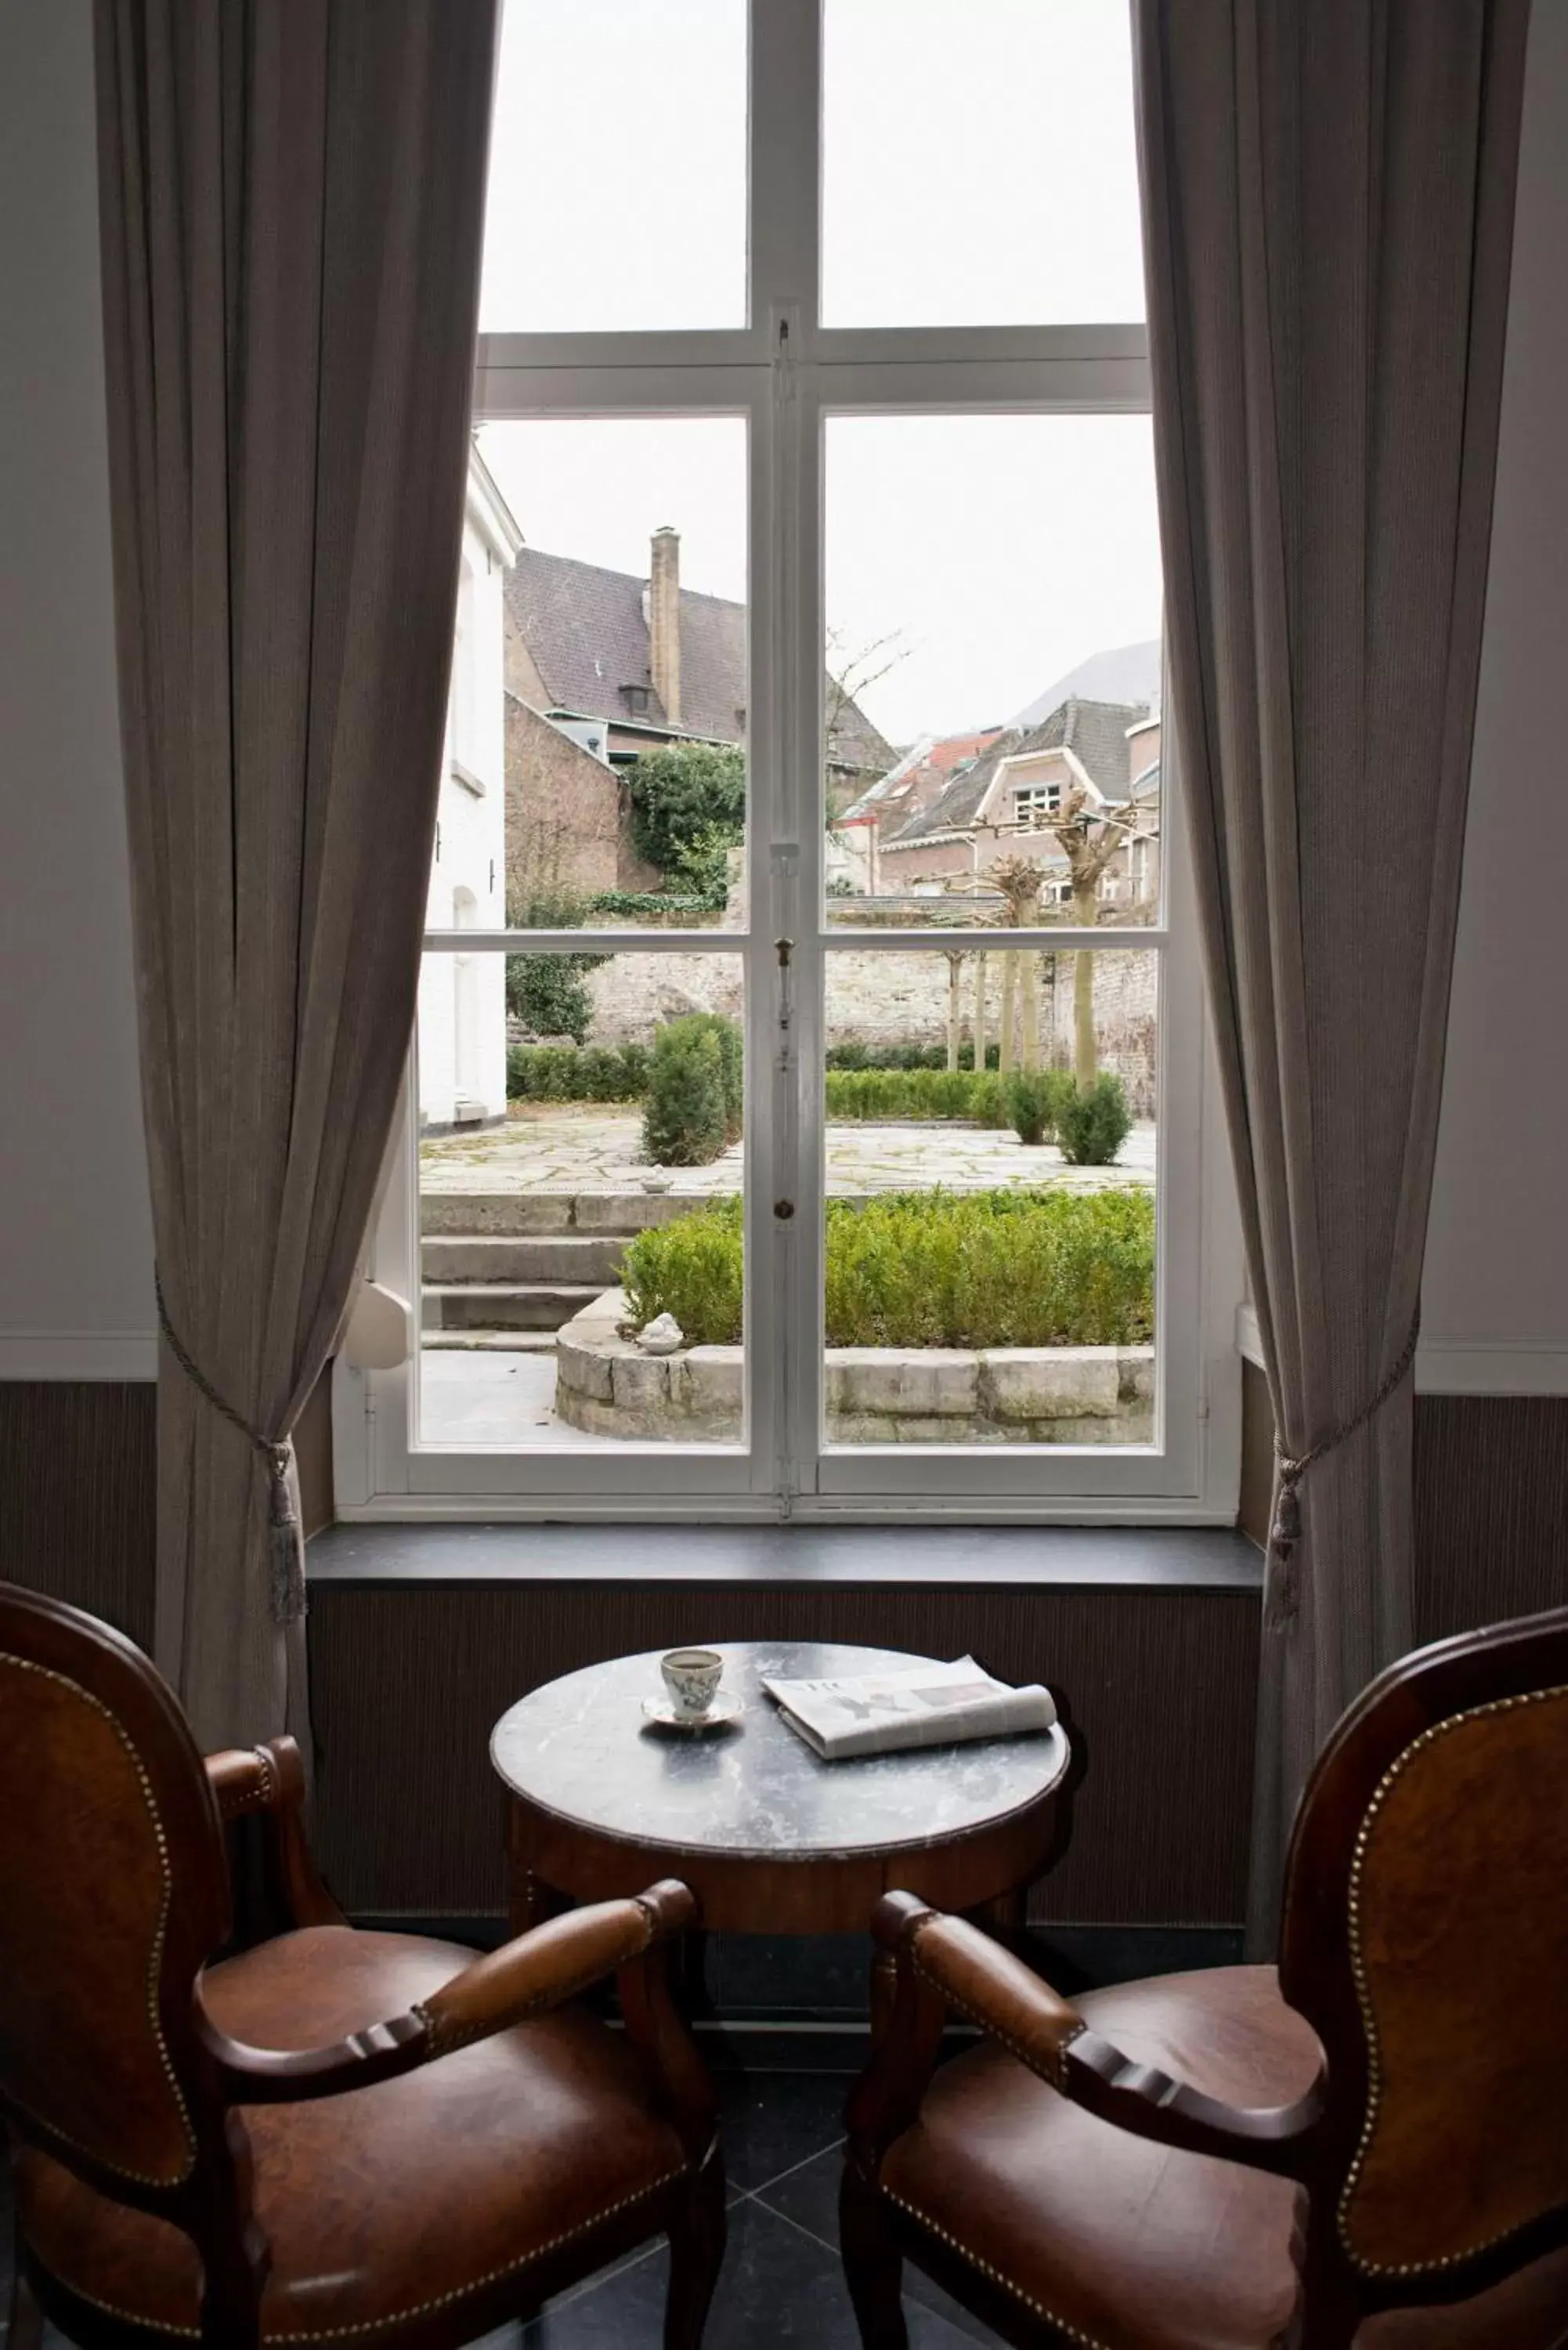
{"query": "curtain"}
(291, 202)
(1328, 194)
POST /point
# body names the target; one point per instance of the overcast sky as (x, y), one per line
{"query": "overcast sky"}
(978, 166)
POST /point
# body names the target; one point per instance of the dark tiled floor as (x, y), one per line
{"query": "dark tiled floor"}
(781, 2280)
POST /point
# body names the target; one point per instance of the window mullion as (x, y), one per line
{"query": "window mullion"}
(786, 164)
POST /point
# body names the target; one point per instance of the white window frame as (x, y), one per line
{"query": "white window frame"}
(786, 374)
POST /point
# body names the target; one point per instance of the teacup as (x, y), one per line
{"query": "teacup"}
(691, 1675)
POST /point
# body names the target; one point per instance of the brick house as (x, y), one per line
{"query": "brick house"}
(601, 666)
(1003, 799)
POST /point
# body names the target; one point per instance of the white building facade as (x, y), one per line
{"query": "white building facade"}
(462, 998)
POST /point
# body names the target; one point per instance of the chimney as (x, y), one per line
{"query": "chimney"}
(664, 620)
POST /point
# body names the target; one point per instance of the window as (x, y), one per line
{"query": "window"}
(810, 611)
(1034, 805)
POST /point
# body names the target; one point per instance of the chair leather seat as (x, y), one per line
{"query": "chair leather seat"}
(1127, 2245)
(387, 2201)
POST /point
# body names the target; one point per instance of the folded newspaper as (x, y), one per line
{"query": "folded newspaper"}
(929, 1705)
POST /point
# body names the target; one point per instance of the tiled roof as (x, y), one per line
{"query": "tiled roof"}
(931, 758)
(1094, 731)
(588, 634)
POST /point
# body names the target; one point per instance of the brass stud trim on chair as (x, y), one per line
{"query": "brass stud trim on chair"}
(420, 2309)
(1070, 2333)
(1374, 2087)
(155, 1957)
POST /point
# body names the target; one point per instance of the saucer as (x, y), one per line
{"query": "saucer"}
(725, 1708)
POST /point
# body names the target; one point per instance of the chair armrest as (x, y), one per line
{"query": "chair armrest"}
(539, 1971)
(270, 1779)
(979, 1980)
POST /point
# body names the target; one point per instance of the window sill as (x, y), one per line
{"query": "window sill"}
(1169, 1558)
(466, 776)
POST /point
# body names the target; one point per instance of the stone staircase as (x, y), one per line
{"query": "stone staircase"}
(508, 1270)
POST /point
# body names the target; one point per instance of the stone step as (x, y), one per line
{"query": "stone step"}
(575, 1257)
(504, 1306)
(509, 1213)
(479, 1342)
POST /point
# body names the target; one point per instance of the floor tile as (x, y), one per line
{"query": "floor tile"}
(769, 2122)
(809, 2197)
(778, 2285)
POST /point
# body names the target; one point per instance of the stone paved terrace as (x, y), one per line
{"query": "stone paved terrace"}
(586, 1149)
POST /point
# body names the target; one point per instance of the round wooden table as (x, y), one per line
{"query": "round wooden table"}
(770, 1838)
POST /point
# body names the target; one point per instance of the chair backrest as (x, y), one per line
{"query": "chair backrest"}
(113, 1894)
(1426, 1939)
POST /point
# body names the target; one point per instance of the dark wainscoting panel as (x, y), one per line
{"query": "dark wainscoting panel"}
(406, 1683)
(78, 1495)
(1491, 1502)
(1491, 1509)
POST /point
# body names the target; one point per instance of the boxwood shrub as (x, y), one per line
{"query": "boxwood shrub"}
(603, 1072)
(993, 1268)
(695, 1082)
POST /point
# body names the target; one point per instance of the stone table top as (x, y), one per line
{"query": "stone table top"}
(580, 1749)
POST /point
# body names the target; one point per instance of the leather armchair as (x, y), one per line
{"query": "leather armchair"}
(334, 2135)
(1363, 2148)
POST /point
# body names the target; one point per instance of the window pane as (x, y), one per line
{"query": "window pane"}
(580, 1175)
(993, 615)
(606, 629)
(990, 1234)
(977, 164)
(618, 168)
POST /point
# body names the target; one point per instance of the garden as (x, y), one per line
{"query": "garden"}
(689, 1083)
(978, 1269)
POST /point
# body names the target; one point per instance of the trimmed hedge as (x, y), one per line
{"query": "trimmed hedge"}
(1095, 1122)
(905, 1056)
(1036, 1099)
(928, 1269)
(916, 1092)
(695, 1089)
(615, 1073)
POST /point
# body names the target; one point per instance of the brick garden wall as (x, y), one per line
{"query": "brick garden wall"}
(896, 999)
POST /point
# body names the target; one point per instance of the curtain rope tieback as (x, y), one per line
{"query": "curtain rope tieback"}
(288, 1604)
(1284, 1534)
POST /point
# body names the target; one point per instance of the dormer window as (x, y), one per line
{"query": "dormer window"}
(1036, 804)
(636, 698)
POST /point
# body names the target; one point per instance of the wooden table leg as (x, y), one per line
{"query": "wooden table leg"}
(884, 1993)
(529, 1900)
(1006, 1917)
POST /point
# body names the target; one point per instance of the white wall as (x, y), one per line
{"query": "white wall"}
(1495, 1298)
(75, 1244)
(469, 869)
(76, 1250)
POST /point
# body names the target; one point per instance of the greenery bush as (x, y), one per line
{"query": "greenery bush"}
(648, 905)
(690, 1268)
(928, 1269)
(731, 1062)
(916, 1093)
(1035, 1098)
(905, 1056)
(680, 795)
(1094, 1122)
(686, 1113)
(546, 992)
(542, 1073)
(549, 994)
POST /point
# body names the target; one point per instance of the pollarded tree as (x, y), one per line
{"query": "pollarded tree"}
(1020, 881)
(1090, 837)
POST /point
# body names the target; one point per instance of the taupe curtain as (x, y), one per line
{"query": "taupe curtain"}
(1328, 195)
(291, 199)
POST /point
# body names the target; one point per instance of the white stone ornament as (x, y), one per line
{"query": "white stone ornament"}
(662, 1335)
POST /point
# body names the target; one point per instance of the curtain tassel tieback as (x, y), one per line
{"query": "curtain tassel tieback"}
(1283, 1584)
(288, 1606)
